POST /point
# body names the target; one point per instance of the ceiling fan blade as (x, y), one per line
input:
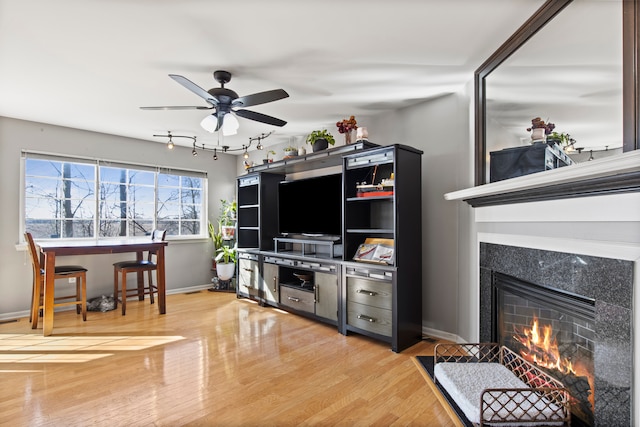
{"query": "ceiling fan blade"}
(259, 117)
(260, 98)
(179, 107)
(194, 88)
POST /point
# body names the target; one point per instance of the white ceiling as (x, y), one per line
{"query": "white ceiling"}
(90, 64)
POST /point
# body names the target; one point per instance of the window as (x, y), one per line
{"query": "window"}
(77, 198)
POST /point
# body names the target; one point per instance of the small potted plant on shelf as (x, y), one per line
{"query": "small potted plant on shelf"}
(539, 129)
(320, 140)
(562, 139)
(268, 159)
(226, 262)
(290, 151)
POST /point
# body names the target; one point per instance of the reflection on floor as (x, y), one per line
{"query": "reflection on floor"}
(71, 349)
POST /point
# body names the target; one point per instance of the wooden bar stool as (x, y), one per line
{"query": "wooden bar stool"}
(122, 268)
(61, 272)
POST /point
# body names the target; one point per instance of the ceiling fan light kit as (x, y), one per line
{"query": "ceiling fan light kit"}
(230, 125)
(227, 104)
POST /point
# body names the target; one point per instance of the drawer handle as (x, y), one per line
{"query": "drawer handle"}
(367, 292)
(248, 269)
(294, 299)
(275, 288)
(367, 318)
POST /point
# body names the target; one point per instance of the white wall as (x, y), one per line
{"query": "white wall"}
(188, 262)
(441, 129)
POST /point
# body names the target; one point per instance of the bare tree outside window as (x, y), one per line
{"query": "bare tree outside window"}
(61, 200)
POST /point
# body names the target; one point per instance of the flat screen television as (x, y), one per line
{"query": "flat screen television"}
(311, 206)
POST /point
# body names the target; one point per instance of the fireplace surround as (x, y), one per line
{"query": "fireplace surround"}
(604, 283)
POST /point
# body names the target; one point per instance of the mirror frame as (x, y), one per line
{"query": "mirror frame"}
(630, 77)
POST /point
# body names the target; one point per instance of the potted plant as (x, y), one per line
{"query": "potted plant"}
(562, 139)
(539, 129)
(228, 211)
(290, 151)
(268, 160)
(226, 261)
(320, 139)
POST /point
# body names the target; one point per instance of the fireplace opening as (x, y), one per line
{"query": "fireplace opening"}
(553, 330)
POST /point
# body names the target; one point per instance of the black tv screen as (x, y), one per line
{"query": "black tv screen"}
(311, 206)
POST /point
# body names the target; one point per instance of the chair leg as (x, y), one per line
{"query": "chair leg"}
(124, 291)
(140, 283)
(115, 287)
(83, 290)
(151, 286)
(35, 304)
(78, 295)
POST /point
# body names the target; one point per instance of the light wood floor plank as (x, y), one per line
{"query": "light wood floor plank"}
(212, 360)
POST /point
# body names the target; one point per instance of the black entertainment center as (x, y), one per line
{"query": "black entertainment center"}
(299, 237)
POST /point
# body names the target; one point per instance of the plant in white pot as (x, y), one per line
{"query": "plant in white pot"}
(226, 262)
(290, 151)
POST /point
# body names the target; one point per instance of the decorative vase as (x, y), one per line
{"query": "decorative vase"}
(362, 134)
(537, 134)
(319, 145)
(347, 137)
(302, 151)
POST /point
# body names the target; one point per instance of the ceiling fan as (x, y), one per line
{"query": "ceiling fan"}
(225, 101)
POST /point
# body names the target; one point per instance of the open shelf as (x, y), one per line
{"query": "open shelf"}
(317, 160)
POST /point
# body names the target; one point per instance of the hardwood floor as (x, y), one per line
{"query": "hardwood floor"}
(211, 360)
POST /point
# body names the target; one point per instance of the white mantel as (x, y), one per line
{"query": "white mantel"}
(607, 166)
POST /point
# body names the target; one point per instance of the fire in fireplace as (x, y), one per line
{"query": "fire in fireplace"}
(554, 331)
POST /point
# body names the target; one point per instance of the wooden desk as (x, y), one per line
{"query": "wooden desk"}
(51, 250)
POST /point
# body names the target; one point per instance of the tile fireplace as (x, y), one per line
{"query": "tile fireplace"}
(570, 314)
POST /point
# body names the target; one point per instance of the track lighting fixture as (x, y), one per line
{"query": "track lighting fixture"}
(224, 148)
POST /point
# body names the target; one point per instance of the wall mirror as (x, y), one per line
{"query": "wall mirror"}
(573, 63)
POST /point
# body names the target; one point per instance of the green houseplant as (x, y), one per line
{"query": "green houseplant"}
(320, 139)
(216, 237)
(290, 151)
(267, 159)
(226, 261)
